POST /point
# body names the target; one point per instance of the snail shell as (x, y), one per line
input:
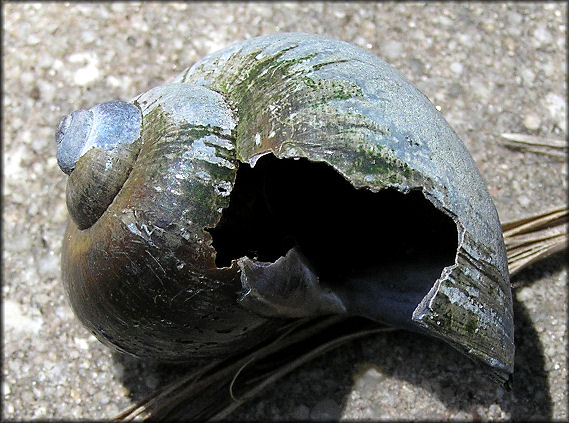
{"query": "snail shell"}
(286, 176)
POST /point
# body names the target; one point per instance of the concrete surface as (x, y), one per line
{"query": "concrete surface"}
(490, 68)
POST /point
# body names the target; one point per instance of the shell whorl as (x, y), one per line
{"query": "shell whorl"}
(97, 148)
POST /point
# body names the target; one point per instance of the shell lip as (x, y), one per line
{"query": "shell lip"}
(482, 324)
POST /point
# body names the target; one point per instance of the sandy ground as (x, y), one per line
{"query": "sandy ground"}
(490, 68)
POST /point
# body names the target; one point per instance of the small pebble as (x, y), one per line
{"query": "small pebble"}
(75, 395)
(524, 200)
(542, 35)
(524, 294)
(532, 121)
(456, 68)
(527, 76)
(6, 388)
(367, 382)
(16, 318)
(557, 107)
(416, 65)
(86, 75)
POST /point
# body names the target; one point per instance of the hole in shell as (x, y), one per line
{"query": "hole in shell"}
(385, 248)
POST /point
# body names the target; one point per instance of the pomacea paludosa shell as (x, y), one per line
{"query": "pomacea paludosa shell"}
(286, 176)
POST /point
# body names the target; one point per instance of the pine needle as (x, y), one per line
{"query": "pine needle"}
(207, 390)
(541, 145)
(293, 364)
(209, 393)
(534, 238)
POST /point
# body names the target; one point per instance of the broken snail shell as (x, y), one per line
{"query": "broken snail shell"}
(286, 176)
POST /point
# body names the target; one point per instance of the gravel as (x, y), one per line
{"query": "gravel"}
(490, 69)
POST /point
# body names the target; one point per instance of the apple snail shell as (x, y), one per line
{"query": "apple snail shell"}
(286, 176)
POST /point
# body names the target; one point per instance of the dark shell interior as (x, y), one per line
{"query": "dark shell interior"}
(380, 251)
